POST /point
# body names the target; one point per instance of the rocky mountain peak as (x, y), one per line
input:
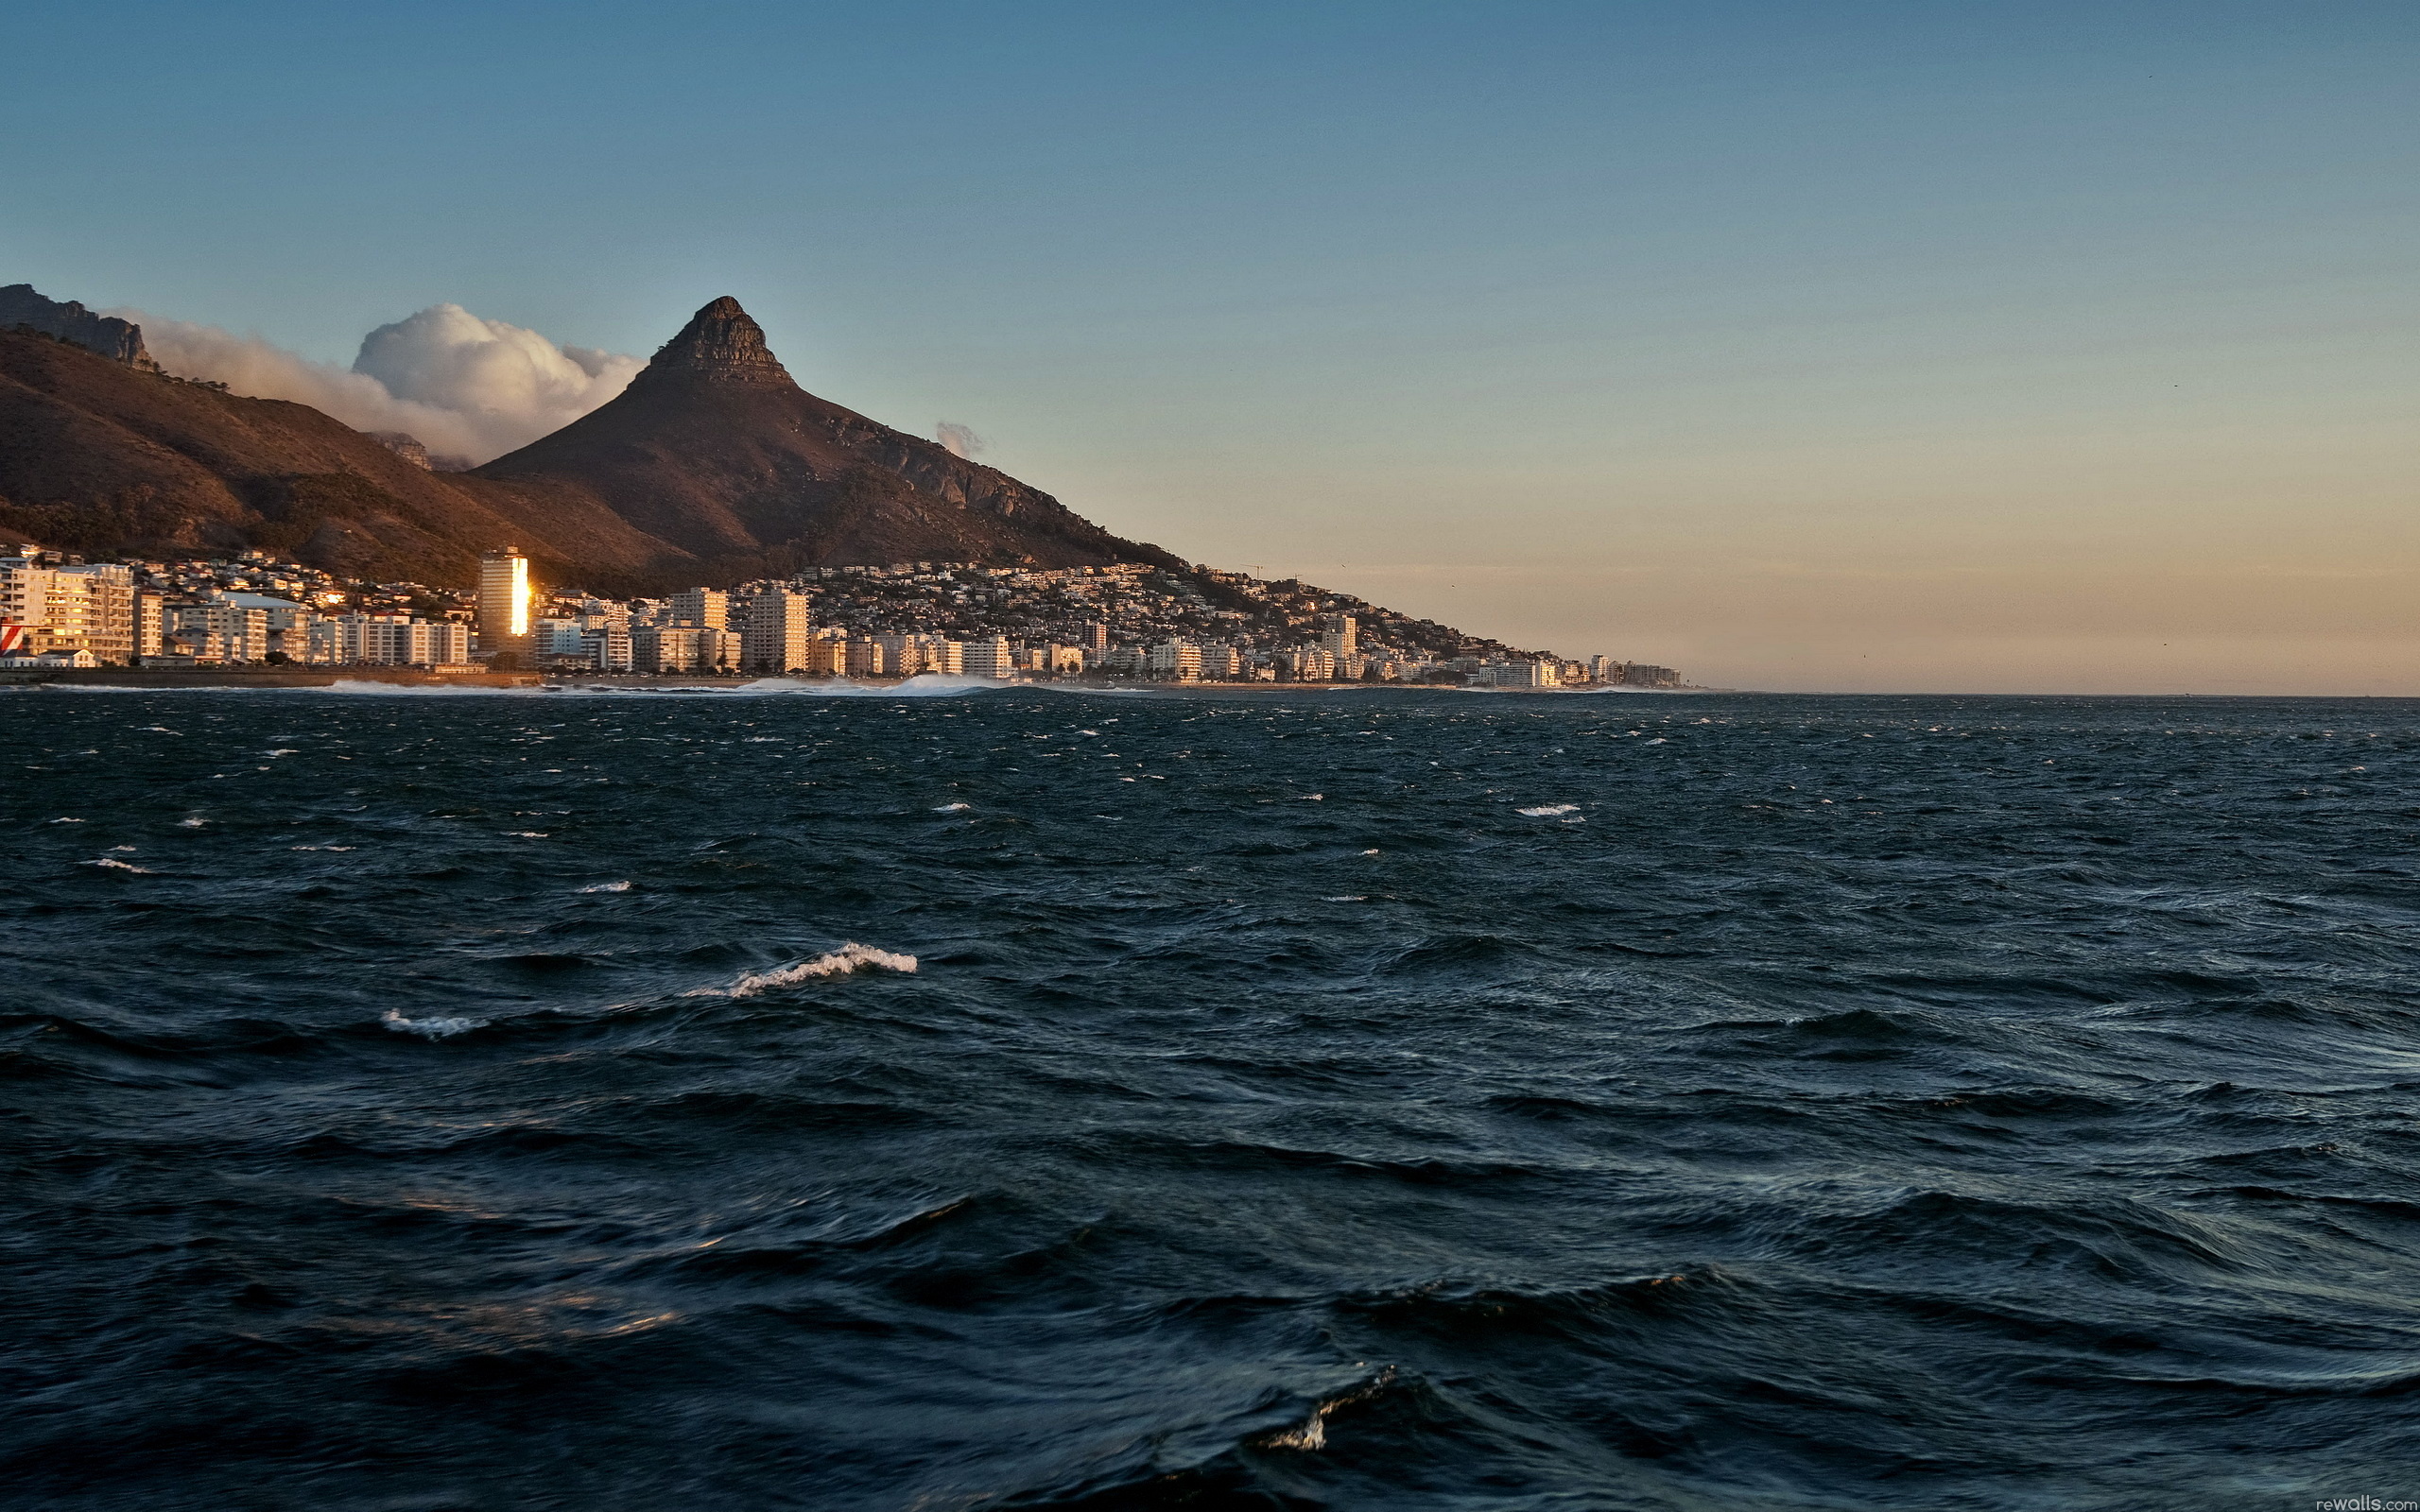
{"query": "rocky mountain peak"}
(719, 342)
(118, 340)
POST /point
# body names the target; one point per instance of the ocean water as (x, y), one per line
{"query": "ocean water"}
(1017, 1099)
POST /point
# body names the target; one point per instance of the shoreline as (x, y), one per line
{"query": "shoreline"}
(403, 676)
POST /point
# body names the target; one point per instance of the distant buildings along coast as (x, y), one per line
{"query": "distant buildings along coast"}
(1124, 620)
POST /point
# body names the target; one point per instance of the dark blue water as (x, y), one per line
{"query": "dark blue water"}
(1370, 1101)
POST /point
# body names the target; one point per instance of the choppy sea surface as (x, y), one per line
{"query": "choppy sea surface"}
(1018, 1099)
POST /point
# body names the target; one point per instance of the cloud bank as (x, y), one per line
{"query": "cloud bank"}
(960, 440)
(466, 386)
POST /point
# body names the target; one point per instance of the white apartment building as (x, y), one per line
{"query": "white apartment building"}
(774, 631)
(705, 607)
(290, 624)
(1342, 639)
(388, 641)
(1222, 662)
(866, 659)
(558, 636)
(988, 657)
(1177, 660)
(683, 648)
(608, 648)
(906, 654)
(1522, 675)
(1307, 663)
(217, 630)
(70, 608)
(150, 624)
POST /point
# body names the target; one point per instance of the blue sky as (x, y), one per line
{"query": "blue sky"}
(1798, 345)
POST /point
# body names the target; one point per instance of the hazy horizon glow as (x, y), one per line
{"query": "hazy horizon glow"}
(1865, 347)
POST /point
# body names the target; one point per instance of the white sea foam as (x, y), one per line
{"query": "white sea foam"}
(524, 835)
(115, 865)
(1548, 811)
(608, 886)
(430, 1028)
(191, 822)
(953, 808)
(851, 956)
(67, 821)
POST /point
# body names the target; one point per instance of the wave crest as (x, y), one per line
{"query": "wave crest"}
(850, 957)
(430, 1029)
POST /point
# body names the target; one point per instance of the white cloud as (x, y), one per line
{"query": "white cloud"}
(512, 384)
(960, 440)
(465, 387)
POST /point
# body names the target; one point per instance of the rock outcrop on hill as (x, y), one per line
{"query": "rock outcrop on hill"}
(405, 446)
(711, 468)
(118, 340)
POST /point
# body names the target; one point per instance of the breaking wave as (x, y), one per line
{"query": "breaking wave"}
(439, 1028)
(849, 958)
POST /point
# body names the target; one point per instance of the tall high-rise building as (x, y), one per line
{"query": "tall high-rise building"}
(504, 602)
(150, 623)
(1096, 637)
(1341, 638)
(774, 632)
(705, 607)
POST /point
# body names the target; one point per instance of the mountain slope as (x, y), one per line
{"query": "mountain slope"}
(99, 456)
(714, 448)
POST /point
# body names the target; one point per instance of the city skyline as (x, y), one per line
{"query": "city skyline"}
(256, 613)
(1885, 347)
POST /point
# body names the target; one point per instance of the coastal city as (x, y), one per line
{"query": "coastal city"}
(1123, 621)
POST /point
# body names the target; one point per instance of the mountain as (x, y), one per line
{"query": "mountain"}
(715, 450)
(711, 468)
(103, 457)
